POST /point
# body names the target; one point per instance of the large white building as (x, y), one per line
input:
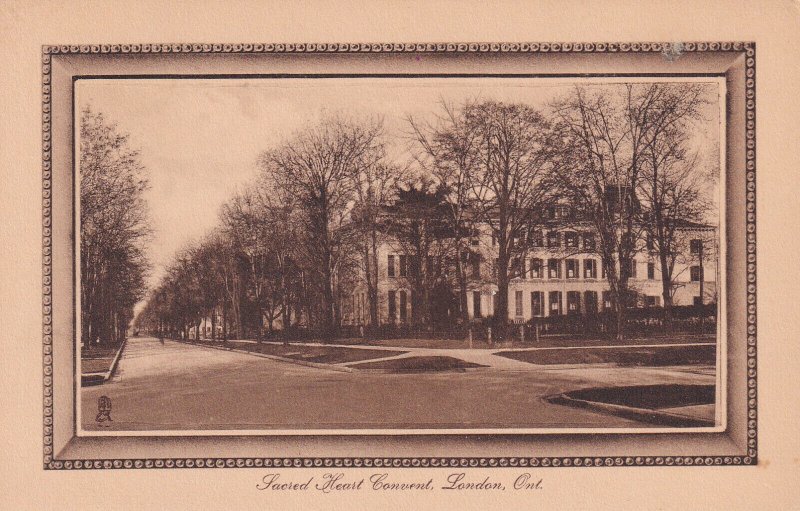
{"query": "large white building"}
(560, 274)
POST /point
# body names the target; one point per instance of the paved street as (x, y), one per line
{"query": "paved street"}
(175, 386)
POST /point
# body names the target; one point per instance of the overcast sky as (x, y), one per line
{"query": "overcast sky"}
(199, 139)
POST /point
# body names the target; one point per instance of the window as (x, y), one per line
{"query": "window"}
(607, 302)
(633, 269)
(403, 266)
(651, 301)
(537, 240)
(537, 303)
(403, 301)
(474, 241)
(536, 268)
(475, 259)
(392, 306)
(518, 303)
(391, 266)
(589, 269)
(517, 269)
(572, 269)
(695, 246)
(602, 270)
(571, 239)
(590, 299)
(696, 273)
(476, 304)
(553, 239)
(649, 242)
(697, 300)
(651, 271)
(588, 242)
(573, 302)
(555, 303)
(553, 268)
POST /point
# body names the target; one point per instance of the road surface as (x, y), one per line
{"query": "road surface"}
(175, 386)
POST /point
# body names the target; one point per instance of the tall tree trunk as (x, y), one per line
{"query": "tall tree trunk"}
(462, 288)
(666, 291)
(501, 304)
(225, 322)
(373, 289)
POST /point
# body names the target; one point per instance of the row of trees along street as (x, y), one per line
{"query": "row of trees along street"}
(292, 245)
(114, 230)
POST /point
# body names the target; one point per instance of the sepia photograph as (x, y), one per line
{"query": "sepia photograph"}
(399, 255)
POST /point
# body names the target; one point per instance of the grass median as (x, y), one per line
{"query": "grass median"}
(423, 364)
(317, 354)
(621, 356)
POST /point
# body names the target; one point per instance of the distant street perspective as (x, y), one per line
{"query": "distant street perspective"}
(399, 254)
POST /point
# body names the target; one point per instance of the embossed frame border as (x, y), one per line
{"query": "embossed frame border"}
(736, 446)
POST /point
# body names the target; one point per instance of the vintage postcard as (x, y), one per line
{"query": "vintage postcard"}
(275, 270)
(527, 242)
(400, 255)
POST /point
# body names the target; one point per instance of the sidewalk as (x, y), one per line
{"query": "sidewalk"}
(482, 356)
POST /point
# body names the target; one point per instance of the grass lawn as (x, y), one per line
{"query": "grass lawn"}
(419, 365)
(320, 354)
(98, 359)
(670, 355)
(96, 365)
(652, 397)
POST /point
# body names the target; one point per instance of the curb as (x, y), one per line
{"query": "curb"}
(99, 378)
(318, 365)
(629, 412)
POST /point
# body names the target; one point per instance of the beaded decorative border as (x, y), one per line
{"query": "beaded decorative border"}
(670, 50)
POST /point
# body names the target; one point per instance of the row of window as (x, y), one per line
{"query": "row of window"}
(555, 300)
(399, 303)
(536, 268)
(572, 239)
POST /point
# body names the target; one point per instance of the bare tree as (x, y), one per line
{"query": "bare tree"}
(511, 184)
(672, 186)
(605, 136)
(245, 220)
(318, 167)
(375, 186)
(114, 229)
(450, 153)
